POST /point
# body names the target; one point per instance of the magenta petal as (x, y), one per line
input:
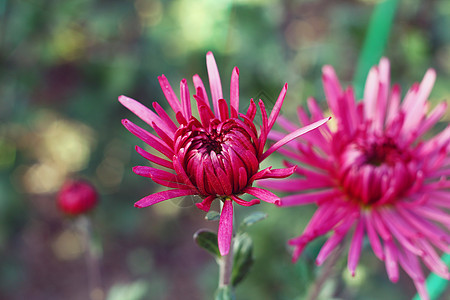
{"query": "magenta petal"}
(185, 99)
(277, 107)
(355, 247)
(214, 81)
(200, 89)
(148, 138)
(205, 205)
(169, 93)
(153, 158)
(161, 196)
(141, 111)
(262, 194)
(292, 136)
(225, 233)
(243, 202)
(234, 92)
(223, 109)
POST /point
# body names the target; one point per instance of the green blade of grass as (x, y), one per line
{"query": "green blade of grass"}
(375, 42)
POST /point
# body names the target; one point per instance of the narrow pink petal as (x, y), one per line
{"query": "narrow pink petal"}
(286, 124)
(314, 197)
(355, 247)
(242, 177)
(163, 135)
(181, 173)
(422, 290)
(142, 112)
(161, 196)
(328, 248)
(292, 136)
(432, 260)
(371, 93)
(426, 86)
(433, 118)
(347, 112)
(373, 238)
(262, 194)
(153, 172)
(200, 89)
(225, 233)
(393, 105)
(234, 92)
(251, 111)
(273, 173)
(205, 205)
(214, 183)
(165, 117)
(224, 181)
(170, 95)
(383, 93)
(148, 138)
(277, 107)
(410, 263)
(214, 81)
(185, 99)
(153, 158)
(391, 253)
(206, 115)
(223, 110)
(243, 202)
(435, 214)
(180, 118)
(332, 87)
(264, 129)
(416, 111)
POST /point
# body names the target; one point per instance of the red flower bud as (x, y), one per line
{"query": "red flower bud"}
(77, 197)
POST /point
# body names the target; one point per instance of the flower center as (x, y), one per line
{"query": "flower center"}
(385, 152)
(376, 172)
(219, 160)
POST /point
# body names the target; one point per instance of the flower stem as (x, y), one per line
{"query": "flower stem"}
(327, 272)
(225, 287)
(92, 264)
(226, 267)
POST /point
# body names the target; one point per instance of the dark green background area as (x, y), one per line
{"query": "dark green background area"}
(64, 63)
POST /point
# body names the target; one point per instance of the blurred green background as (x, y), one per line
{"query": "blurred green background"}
(64, 63)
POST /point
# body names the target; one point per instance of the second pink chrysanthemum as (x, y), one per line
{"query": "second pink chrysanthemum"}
(375, 175)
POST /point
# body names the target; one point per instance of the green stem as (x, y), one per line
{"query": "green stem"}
(92, 264)
(225, 288)
(328, 271)
(226, 268)
(375, 42)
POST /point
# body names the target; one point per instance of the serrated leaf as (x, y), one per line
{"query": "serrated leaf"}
(252, 219)
(212, 215)
(224, 293)
(207, 240)
(243, 257)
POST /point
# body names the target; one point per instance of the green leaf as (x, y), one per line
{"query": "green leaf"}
(375, 42)
(207, 240)
(243, 257)
(212, 215)
(252, 219)
(224, 293)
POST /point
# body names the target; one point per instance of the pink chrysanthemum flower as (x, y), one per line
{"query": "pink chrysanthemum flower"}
(374, 173)
(216, 156)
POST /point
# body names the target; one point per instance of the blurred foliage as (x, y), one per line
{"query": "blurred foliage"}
(62, 66)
